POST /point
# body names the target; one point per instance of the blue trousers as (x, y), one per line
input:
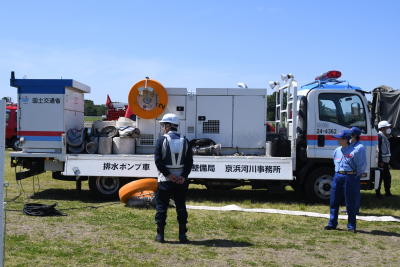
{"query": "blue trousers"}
(346, 183)
(164, 192)
(358, 193)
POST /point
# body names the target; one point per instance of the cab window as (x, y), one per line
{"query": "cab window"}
(344, 109)
(7, 115)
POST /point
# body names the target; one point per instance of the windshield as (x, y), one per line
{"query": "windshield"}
(343, 109)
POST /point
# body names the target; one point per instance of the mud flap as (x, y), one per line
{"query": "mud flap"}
(377, 177)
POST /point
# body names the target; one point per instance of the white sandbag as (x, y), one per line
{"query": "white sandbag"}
(129, 131)
(123, 145)
(105, 145)
(123, 119)
(99, 125)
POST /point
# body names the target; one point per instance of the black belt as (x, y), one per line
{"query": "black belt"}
(341, 172)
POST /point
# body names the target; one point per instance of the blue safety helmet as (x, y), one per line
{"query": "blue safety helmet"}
(344, 134)
(355, 131)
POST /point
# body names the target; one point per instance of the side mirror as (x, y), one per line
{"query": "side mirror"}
(382, 108)
(355, 109)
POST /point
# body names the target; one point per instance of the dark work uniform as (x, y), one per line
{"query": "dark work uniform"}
(179, 164)
(384, 157)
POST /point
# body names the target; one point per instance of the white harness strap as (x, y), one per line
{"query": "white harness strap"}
(385, 148)
(176, 147)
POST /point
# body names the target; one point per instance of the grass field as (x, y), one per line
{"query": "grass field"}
(93, 118)
(113, 235)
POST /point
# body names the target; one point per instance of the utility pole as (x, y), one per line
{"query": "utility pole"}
(2, 158)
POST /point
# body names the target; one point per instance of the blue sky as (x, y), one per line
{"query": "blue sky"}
(110, 45)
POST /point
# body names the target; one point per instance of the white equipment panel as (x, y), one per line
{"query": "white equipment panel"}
(47, 109)
(249, 129)
(191, 121)
(176, 103)
(214, 118)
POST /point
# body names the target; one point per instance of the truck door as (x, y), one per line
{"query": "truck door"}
(8, 131)
(337, 111)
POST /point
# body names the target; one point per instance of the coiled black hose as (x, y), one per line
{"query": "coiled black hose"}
(34, 209)
(201, 142)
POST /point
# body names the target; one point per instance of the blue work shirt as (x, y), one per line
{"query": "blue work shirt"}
(348, 159)
(363, 151)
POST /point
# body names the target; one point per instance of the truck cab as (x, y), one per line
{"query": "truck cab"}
(12, 139)
(326, 107)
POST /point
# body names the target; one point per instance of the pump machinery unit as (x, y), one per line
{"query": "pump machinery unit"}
(234, 118)
(228, 116)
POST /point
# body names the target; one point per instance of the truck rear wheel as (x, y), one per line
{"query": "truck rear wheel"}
(395, 158)
(15, 144)
(318, 185)
(105, 187)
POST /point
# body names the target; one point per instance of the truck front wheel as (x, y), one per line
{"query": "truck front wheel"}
(106, 188)
(318, 185)
(15, 144)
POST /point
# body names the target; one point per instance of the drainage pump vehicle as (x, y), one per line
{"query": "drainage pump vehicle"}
(227, 127)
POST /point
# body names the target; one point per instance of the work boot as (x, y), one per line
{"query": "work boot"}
(378, 194)
(160, 233)
(388, 194)
(182, 233)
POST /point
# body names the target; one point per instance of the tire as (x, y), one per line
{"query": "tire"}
(318, 185)
(395, 158)
(15, 144)
(105, 187)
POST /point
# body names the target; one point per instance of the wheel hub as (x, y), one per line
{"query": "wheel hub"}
(326, 187)
(108, 182)
(323, 185)
(107, 185)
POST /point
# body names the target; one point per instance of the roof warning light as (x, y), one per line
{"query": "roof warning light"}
(333, 74)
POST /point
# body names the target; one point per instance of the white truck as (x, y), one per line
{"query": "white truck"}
(299, 154)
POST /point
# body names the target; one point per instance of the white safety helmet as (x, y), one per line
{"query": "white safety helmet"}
(383, 124)
(170, 118)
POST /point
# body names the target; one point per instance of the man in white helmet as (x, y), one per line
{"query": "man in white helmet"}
(384, 157)
(174, 161)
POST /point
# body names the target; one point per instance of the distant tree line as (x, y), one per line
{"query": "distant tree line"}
(94, 110)
(271, 105)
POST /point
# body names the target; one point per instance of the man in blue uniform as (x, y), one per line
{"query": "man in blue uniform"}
(348, 164)
(356, 143)
(174, 160)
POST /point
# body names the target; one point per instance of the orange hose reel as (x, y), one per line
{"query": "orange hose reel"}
(138, 109)
(138, 186)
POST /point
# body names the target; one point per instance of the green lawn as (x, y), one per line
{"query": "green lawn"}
(93, 118)
(114, 235)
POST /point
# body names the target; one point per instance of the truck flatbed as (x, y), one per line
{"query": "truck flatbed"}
(204, 167)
